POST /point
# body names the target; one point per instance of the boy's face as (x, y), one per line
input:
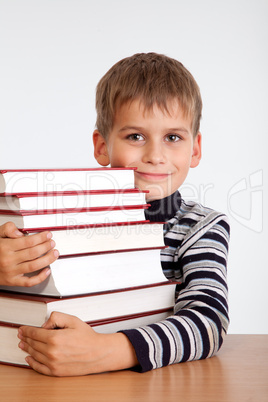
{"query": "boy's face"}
(159, 144)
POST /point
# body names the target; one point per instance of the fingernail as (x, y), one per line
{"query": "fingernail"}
(48, 271)
(18, 233)
(56, 253)
(21, 345)
(49, 235)
(52, 243)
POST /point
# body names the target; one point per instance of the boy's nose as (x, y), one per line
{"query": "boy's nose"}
(154, 154)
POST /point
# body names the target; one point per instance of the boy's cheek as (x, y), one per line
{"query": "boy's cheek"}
(122, 154)
(122, 159)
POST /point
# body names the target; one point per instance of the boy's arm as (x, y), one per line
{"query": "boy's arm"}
(200, 320)
(21, 255)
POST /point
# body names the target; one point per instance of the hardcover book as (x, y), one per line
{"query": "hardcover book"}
(71, 199)
(106, 238)
(50, 180)
(11, 354)
(34, 310)
(98, 272)
(72, 217)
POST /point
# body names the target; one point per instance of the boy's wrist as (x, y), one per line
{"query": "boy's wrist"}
(117, 353)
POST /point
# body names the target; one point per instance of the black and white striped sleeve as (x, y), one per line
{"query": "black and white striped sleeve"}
(200, 320)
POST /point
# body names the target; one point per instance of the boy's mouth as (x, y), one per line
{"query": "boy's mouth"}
(153, 176)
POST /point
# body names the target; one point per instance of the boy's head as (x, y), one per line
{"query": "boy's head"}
(148, 115)
(151, 78)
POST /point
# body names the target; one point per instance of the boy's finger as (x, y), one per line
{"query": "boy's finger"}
(32, 253)
(38, 238)
(37, 264)
(35, 345)
(39, 367)
(36, 337)
(61, 320)
(10, 230)
(25, 281)
(30, 241)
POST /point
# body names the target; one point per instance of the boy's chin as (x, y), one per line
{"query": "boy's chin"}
(157, 191)
(159, 195)
(155, 197)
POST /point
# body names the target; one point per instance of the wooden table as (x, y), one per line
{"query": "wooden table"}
(238, 373)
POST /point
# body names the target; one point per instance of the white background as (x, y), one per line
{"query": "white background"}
(52, 54)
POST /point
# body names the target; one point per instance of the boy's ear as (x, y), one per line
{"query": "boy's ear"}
(100, 149)
(197, 150)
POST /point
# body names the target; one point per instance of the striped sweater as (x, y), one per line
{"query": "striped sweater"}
(197, 246)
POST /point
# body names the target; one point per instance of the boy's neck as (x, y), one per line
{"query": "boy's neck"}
(164, 209)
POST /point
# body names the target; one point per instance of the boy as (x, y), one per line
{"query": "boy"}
(148, 115)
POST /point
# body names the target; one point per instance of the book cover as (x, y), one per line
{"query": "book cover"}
(73, 217)
(75, 275)
(11, 354)
(23, 309)
(105, 238)
(72, 199)
(47, 180)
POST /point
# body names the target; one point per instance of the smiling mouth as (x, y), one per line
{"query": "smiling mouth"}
(153, 176)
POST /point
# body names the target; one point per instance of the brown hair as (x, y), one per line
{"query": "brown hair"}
(152, 78)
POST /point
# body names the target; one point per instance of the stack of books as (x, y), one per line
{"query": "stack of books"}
(108, 273)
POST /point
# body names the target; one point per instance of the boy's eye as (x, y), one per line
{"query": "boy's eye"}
(172, 138)
(135, 137)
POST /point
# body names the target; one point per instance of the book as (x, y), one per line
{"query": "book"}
(71, 199)
(98, 272)
(72, 217)
(10, 353)
(23, 309)
(105, 238)
(51, 180)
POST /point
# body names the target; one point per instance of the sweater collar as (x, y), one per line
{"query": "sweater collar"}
(164, 209)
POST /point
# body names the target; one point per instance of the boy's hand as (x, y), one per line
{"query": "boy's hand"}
(67, 346)
(21, 255)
